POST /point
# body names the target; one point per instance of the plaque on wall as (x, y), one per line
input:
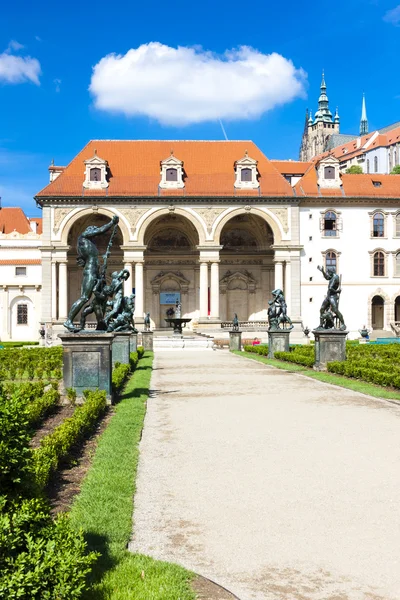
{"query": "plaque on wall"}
(170, 297)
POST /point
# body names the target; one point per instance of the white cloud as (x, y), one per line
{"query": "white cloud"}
(180, 86)
(57, 83)
(393, 16)
(18, 69)
(14, 45)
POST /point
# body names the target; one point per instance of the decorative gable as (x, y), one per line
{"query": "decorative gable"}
(246, 173)
(171, 173)
(328, 172)
(95, 173)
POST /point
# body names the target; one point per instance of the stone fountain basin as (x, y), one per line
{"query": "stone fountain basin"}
(177, 323)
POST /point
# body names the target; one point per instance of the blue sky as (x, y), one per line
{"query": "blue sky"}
(177, 69)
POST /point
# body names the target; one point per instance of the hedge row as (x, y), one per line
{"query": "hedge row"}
(296, 357)
(259, 349)
(56, 446)
(120, 372)
(30, 363)
(372, 374)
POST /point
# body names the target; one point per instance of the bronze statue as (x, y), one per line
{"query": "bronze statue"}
(235, 323)
(88, 258)
(147, 322)
(117, 291)
(330, 306)
(277, 312)
(123, 321)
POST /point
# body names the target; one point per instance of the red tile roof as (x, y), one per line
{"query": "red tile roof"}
(21, 261)
(13, 219)
(291, 167)
(134, 168)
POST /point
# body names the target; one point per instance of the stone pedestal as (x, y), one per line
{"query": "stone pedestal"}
(87, 362)
(133, 342)
(235, 340)
(147, 337)
(278, 341)
(330, 345)
(120, 347)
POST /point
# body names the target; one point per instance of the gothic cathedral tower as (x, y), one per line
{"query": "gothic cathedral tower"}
(317, 131)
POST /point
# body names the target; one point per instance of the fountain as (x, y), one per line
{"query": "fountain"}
(177, 322)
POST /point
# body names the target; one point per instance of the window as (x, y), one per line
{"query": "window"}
(20, 271)
(330, 224)
(397, 265)
(246, 175)
(378, 229)
(379, 264)
(95, 174)
(397, 225)
(22, 314)
(367, 165)
(376, 164)
(329, 172)
(171, 175)
(331, 260)
(377, 183)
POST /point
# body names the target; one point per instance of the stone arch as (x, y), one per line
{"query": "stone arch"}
(70, 220)
(23, 332)
(386, 306)
(148, 218)
(267, 216)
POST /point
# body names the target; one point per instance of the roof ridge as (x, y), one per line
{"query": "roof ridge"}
(167, 141)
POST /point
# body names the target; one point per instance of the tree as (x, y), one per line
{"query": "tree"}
(395, 170)
(354, 170)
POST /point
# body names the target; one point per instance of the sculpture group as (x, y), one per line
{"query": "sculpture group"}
(113, 310)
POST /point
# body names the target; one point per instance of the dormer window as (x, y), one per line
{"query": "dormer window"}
(246, 173)
(95, 173)
(328, 171)
(172, 173)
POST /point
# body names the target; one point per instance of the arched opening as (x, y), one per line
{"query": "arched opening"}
(171, 267)
(378, 307)
(397, 309)
(74, 271)
(246, 267)
(24, 324)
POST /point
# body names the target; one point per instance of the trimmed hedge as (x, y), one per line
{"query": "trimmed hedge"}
(296, 357)
(262, 350)
(28, 363)
(56, 446)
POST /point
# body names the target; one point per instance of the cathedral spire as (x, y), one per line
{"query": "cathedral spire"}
(364, 120)
(323, 113)
(306, 122)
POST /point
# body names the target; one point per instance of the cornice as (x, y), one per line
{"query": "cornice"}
(146, 200)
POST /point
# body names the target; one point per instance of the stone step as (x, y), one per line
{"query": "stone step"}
(182, 343)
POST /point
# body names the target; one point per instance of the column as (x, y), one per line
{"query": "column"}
(295, 285)
(215, 290)
(62, 291)
(139, 309)
(128, 284)
(278, 275)
(288, 286)
(54, 291)
(203, 290)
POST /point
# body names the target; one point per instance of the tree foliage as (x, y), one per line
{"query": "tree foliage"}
(354, 170)
(395, 170)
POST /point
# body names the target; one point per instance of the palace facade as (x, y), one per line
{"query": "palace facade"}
(218, 226)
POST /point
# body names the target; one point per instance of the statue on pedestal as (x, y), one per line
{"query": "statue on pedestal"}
(235, 323)
(147, 322)
(88, 258)
(278, 318)
(329, 311)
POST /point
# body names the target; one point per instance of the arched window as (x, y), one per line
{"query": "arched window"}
(397, 228)
(367, 165)
(331, 259)
(330, 222)
(245, 175)
(397, 309)
(379, 264)
(378, 228)
(376, 164)
(378, 308)
(171, 175)
(397, 265)
(95, 174)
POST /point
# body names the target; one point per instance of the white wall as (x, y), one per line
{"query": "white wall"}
(354, 244)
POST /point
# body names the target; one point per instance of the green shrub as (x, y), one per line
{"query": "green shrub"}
(119, 375)
(40, 559)
(261, 349)
(42, 405)
(296, 357)
(133, 360)
(56, 446)
(140, 351)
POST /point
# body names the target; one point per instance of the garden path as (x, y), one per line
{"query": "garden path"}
(273, 485)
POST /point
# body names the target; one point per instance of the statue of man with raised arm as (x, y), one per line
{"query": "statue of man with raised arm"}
(88, 258)
(330, 305)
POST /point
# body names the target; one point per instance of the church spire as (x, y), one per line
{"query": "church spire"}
(364, 120)
(323, 113)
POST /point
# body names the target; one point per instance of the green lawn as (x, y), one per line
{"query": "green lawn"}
(345, 382)
(105, 504)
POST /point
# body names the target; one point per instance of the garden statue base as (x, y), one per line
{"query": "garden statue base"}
(133, 342)
(235, 340)
(121, 347)
(87, 362)
(330, 345)
(278, 341)
(147, 339)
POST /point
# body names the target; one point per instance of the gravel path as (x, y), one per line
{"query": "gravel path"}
(273, 485)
